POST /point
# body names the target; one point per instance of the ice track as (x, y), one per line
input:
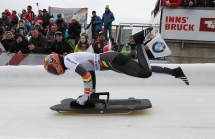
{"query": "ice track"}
(179, 111)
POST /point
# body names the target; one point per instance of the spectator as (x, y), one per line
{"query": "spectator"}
(83, 44)
(29, 14)
(96, 27)
(19, 46)
(114, 46)
(190, 3)
(13, 31)
(74, 31)
(46, 17)
(100, 43)
(21, 15)
(172, 3)
(26, 22)
(2, 32)
(107, 19)
(7, 28)
(51, 23)
(5, 19)
(40, 14)
(60, 45)
(130, 49)
(37, 43)
(7, 40)
(14, 19)
(8, 13)
(51, 34)
(21, 29)
(62, 25)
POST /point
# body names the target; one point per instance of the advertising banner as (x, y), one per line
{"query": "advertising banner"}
(67, 14)
(188, 24)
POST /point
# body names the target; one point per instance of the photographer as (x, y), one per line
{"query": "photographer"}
(74, 31)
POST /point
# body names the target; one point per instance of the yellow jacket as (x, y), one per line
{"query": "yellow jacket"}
(79, 50)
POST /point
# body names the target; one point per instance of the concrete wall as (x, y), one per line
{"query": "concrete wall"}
(191, 53)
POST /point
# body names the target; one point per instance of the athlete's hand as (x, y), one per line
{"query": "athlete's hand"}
(82, 99)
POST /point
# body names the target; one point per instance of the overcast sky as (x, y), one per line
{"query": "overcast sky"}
(125, 11)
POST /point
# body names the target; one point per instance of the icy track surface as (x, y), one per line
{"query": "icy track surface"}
(179, 111)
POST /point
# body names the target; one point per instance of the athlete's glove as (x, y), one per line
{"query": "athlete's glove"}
(82, 99)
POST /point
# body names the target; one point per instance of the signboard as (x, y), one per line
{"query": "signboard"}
(67, 14)
(188, 24)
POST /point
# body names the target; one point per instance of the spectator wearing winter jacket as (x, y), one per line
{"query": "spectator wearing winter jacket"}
(190, 3)
(51, 34)
(45, 17)
(62, 25)
(130, 49)
(29, 14)
(100, 43)
(8, 13)
(107, 20)
(14, 19)
(171, 3)
(7, 40)
(21, 15)
(21, 29)
(74, 31)
(19, 46)
(60, 45)
(7, 28)
(51, 23)
(5, 19)
(37, 43)
(83, 44)
(96, 27)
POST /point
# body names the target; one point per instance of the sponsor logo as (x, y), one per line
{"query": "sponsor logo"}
(158, 47)
(96, 62)
(178, 23)
(71, 61)
(207, 24)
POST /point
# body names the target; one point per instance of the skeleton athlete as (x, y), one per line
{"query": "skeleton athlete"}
(85, 64)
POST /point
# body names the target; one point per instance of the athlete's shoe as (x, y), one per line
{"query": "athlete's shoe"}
(178, 73)
(82, 99)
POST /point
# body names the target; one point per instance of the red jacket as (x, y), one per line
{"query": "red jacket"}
(174, 3)
(9, 15)
(30, 16)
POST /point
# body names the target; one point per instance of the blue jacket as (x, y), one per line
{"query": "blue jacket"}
(98, 23)
(107, 18)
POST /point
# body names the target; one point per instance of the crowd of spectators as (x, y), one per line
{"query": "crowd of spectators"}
(30, 33)
(189, 3)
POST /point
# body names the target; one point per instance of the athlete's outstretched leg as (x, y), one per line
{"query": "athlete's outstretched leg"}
(177, 72)
(118, 62)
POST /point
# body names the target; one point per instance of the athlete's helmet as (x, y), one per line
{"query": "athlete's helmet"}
(105, 48)
(53, 64)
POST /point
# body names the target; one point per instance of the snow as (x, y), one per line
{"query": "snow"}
(179, 111)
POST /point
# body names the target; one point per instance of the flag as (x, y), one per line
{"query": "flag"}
(158, 47)
(2, 48)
